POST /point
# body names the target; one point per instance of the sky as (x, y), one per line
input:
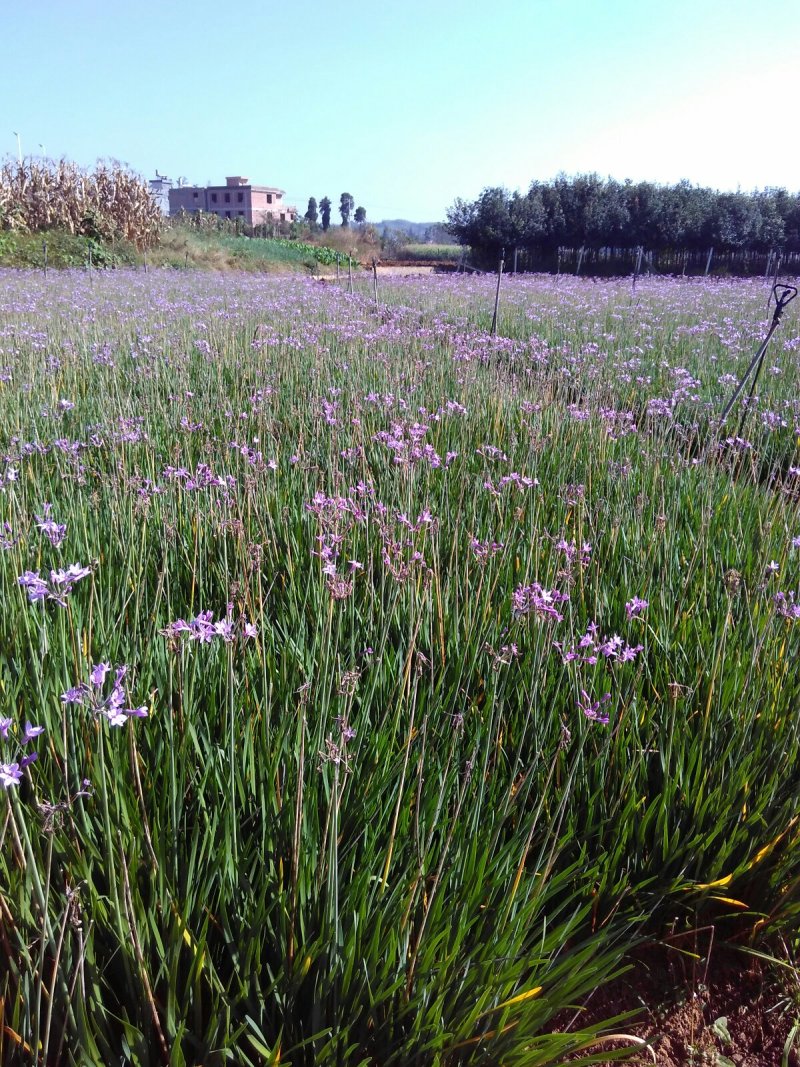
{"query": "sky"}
(408, 104)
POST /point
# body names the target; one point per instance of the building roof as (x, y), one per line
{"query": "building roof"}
(240, 183)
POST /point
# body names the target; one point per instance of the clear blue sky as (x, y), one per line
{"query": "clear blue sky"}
(408, 104)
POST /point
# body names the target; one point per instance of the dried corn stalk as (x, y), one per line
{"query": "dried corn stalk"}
(107, 203)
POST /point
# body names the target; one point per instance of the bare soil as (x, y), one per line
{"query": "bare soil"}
(728, 1011)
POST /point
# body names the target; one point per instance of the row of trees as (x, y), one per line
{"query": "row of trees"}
(320, 214)
(591, 212)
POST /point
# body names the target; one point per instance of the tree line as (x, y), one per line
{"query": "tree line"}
(591, 212)
(320, 214)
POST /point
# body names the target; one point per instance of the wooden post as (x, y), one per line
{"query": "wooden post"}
(636, 269)
(44, 257)
(708, 261)
(186, 261)
(497, 293)
(145, 263)
(769, 264)
(514, 268)
(580, 260)
(350, 273)
(375, 278)
(558, 262)
(337, 268)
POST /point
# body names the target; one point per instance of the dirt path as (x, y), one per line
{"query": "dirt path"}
(390, 271)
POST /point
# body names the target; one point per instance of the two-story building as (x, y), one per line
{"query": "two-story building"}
(236, 199)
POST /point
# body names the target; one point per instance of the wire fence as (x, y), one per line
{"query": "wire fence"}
(600, 262)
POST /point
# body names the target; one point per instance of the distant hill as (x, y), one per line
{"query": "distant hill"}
(420, 231)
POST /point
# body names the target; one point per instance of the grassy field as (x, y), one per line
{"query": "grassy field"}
(180, 247)
(27, 250)
(394, 681)
(431, 253)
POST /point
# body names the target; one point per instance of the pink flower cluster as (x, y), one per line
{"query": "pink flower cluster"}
(535, 600)
(203, 629)
(592, 646)
(57, 587)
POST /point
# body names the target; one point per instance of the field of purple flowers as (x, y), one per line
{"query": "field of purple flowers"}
(370, 685)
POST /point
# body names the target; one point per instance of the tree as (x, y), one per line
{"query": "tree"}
(593, 212)
(325, 212)
(346, 205)
(361, 214)
(311, 212)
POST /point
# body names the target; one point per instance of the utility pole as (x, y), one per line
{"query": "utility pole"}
(500, 263)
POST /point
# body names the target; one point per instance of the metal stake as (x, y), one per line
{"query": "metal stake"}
(784, 294)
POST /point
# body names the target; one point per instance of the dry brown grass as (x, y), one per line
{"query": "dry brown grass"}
(107, 203)
(362, 243)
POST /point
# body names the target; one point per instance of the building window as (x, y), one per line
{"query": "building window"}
(195, 194)
(227, 214)
(240, 198)
(227, 198)
(269, 198)
(240, 213)
(213, 198)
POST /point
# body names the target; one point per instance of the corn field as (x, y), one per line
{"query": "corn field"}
(108, 203)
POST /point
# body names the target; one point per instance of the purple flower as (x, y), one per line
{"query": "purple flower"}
(611, 647)
(57, 588)
(99, 672)
(635, 607)
(179, 626)
(787, 605)
(534, 600)
(224, 629)
(114, 705)
(347, 732)
(203, 629)
(75, 695)
(53, 531)
(37, 588)
(629, 653)
(5, 725)
(72, 574)
(591, 709)
(31, 732)
(590, 647)
(10, 774)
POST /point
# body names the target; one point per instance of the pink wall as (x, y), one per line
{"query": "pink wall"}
(254, 207)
